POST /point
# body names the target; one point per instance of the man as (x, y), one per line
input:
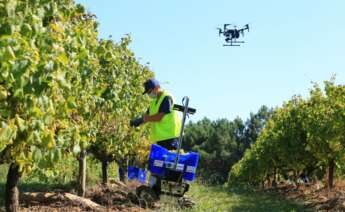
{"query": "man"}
(165, 124)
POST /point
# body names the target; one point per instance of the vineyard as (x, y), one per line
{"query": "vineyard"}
(305, 137)
(67, 97)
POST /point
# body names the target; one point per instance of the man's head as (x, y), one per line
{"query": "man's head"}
(152, 87)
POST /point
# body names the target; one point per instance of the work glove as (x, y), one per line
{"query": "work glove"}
(136, 122)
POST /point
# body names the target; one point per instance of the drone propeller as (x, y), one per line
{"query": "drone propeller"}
(219, 31)
(246, 27)
(226, 25)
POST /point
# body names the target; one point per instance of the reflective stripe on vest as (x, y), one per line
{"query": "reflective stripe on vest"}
(170, 125)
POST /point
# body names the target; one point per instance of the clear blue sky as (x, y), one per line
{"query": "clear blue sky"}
(290, 44)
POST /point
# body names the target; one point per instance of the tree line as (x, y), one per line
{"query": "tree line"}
(222, 143)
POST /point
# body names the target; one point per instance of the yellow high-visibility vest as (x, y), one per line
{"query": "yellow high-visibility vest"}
(170, 125)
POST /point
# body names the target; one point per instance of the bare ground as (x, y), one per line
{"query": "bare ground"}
(315, 198)
(110, 197)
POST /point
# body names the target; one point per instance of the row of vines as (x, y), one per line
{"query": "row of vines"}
(64, 92)
(304, 137)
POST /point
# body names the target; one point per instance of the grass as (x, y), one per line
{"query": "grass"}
(219, 198)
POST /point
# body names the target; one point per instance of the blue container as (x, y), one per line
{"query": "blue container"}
(142, 175)
(161, 160)
(135, 173)
(132, 173)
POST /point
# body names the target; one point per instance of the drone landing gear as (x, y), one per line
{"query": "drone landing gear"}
(230, 45)
(234, 43)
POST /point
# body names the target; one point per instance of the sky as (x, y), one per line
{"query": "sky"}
(290, 45)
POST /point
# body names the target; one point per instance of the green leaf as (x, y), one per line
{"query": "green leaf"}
(6, 132)
(19, 93)
(37, 154)
(9, 54)
(76, 149)
(71, 102)
(20, 123)
(57, 155)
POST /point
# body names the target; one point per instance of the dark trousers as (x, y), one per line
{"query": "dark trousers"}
(170, 144)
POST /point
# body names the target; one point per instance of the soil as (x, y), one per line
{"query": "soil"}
(316, 198)
(110, 197)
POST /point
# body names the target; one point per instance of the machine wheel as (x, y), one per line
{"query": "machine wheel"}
(186, 202)
(147, 197)
(132, 196)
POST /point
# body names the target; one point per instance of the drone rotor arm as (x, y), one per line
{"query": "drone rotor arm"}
(242, 32)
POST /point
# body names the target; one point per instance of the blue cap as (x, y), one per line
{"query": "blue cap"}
(150, 84)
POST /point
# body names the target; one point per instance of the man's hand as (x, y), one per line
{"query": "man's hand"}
(136, 122)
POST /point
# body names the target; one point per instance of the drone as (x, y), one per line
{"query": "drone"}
(232, 34)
